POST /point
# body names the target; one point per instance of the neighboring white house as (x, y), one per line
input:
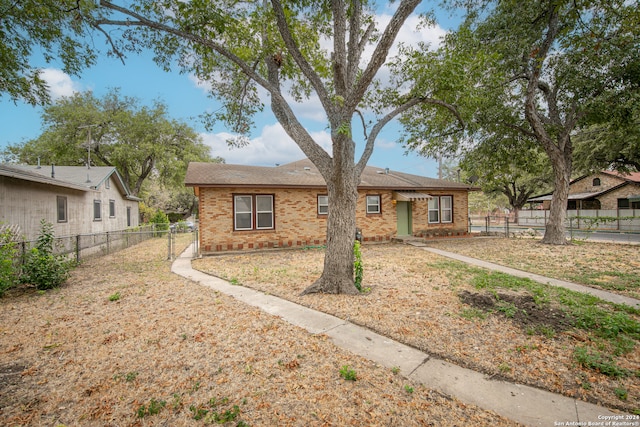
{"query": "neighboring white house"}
(75, 199)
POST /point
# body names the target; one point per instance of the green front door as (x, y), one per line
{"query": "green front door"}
(403, 211)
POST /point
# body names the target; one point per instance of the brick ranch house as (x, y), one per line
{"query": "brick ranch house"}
(603, 190)
(252, 207)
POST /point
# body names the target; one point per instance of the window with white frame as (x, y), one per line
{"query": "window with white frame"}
(253, 212)
(446, 209)
(434, 210)
(323, 204)
(373, 204)
(264, 212)
(441, 209)
(112, 208)
(97, 210)
(243, 208)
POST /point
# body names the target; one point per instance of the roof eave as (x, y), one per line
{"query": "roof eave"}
(300, 186)
(45, 180)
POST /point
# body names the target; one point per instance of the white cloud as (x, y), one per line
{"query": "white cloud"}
(273, 146)
(412, 33)
(59, 83)
(203, 85)
(385, 144)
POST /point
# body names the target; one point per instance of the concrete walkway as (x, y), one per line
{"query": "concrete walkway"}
(527, 405)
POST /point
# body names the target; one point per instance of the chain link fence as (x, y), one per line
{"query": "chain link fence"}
(85, 246)
(581, 227)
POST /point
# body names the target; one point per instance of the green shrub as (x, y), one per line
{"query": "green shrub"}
(8, 270)
(161, 220)
(357, 265)
(43, 268)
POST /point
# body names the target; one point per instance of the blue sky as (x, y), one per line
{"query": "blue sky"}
(141, 78)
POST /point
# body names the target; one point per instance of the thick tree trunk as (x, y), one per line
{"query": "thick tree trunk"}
(555, 229)
(337, 275)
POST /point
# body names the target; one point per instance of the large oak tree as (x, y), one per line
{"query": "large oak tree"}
(511, 165)
(292, 50)
(541, 68)
(141, 142)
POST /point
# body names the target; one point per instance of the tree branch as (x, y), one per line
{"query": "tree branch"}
(368, 149)
(142, 21)
(520, 129)
(339, 56)
(364, 124)
(109, 40)
(305, 67)
(381, 51)
(534, 80)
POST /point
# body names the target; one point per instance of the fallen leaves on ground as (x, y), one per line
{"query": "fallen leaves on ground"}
(415, 300)
(171, 352)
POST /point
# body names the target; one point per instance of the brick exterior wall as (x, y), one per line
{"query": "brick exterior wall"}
(585, 185)
(298, 224)
(460, 224)
(608, 200)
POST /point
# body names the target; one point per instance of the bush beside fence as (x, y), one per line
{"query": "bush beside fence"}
(83, 246)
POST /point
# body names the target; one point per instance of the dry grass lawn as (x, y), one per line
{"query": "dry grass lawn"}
(608, 266)
(506, 327)
(127, 343)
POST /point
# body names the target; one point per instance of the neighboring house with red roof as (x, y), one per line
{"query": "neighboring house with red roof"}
(74, 199)
(253, 207)
(604, 190)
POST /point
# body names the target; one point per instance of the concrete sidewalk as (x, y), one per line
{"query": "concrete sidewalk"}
(524, 404)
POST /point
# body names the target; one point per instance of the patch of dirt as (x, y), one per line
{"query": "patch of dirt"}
(521, 308)
(9, 377)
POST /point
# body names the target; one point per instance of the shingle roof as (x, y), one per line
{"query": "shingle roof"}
(304, 174)
(75, 177)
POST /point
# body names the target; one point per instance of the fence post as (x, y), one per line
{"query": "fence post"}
(487, 221)
(506, 226)
(24, 252)
(173, 245)
(169, 245)
(196, 243)
(108, 248)
(571, 228)
(78, 248)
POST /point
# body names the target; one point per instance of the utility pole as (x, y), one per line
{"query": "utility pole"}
(88, 127)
